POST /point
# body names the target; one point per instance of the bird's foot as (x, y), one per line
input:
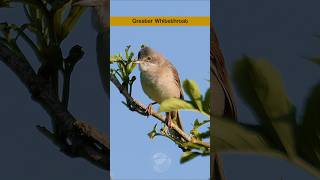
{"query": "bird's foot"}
(149, 110)
(169, 122)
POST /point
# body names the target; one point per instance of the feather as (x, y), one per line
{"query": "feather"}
(226, 106)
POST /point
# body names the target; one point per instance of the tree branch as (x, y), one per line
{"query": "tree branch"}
(75, 138)
(141, 109)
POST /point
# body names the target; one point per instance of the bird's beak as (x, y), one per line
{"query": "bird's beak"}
(138, 62)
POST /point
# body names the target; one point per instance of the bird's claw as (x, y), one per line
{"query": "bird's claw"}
(149, 110)
(169, 122)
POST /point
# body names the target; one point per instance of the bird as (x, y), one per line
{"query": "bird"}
(160, 81)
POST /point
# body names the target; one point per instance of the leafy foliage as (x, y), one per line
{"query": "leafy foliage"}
(175, 104)
(316, 60)
(196, 103)
(187, 156)
(309, 130)
(45, 30)
(4, 3)
(278, 133)
(123, 69)
(192, 89)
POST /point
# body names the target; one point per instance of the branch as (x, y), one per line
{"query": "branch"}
(75, 138)
(66, 88)
(141, 109)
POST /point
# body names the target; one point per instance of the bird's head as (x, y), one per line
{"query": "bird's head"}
(149, 59)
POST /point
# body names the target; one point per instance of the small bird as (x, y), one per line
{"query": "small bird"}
(159, 80)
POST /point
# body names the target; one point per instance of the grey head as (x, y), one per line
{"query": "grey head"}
(149, 59)
(144, 52)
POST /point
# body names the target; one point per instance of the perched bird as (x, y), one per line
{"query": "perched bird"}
(159, 80)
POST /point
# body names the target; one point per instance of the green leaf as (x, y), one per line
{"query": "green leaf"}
(195, 132)
(187, 156)
(191, 145)
(131, 56)
(316, 60)
(229, 136)
(174, 104)
(59, 8)
(153, 133)
(309, 141)
(206, 101)
(192, 89)
(204, 135)
(127, 51)
(197, 124)
(4, 3)
(129, 68)
(261, 87)
(71, 20)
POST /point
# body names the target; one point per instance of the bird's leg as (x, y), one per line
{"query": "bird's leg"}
(149, 108)
(168, 120)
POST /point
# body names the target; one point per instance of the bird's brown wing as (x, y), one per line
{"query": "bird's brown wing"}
(221, 89)
(178, 83)
(177, 79)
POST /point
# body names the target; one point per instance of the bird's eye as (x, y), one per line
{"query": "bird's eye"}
(148, 58)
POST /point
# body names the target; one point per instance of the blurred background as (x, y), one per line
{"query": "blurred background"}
(27, 154)
(281, 32)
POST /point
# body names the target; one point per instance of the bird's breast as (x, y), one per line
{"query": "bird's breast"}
(159, 85)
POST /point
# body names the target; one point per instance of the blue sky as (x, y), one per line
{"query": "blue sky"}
(188, 49)
(160, 8)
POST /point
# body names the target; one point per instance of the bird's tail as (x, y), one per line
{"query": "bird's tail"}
(176, 117)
